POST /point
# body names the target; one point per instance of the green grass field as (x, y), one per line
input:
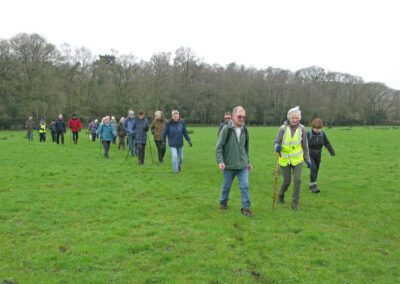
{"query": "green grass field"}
(67, 215)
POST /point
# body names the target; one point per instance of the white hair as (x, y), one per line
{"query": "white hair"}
(294, 110)
(236, 109)
(158, 112)
(175, 112)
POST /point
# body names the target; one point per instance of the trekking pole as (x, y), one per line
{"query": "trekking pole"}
(151, 153)
(276, 179)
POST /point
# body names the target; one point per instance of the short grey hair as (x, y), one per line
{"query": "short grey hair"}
(158, 112)
(236, 109)
(294, 110)
(175, 112)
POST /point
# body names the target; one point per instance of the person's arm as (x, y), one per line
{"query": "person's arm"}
(79, 124)
(186, 134)
(146, 126)
(304, 143)
(220, 128)
(114, 132)
(153, 127)
(219, 147)
(65, 130)
(278, 139)
(328, 145)
(164, 133)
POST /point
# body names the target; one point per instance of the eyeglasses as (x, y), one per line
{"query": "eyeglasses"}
(227, 118)
(241, 116)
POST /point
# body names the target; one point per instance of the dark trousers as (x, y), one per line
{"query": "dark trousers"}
(106, 145)
(161, 150)
(60, 133)
(93, 137)
(141, 151)
(75, 136)
(114, 139)
(42, 137)
(54, 136)
(121, 142)
(314, 169)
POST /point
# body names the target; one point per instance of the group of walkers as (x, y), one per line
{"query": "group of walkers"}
(293, 144)
(57, 128)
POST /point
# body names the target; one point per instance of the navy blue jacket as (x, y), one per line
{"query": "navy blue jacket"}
(128, 125)
(175, 132)
(140, 127)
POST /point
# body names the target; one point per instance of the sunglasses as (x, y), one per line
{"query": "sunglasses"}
(227, 118)
(241, 116)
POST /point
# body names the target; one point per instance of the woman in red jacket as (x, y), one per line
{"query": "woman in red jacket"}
(75, 125)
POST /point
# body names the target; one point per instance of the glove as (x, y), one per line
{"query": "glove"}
(278, 148)
(190, 143)
(309, 165)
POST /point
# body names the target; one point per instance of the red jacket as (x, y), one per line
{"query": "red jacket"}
(74, 124)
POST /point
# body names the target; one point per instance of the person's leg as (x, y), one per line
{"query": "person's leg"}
(119, 142)
(174, 157)
(143, 153)
(44, 137)
(163, 150)
(62, 137)
(159, 150)
(313, 175)
(243, 179)
(30, 135)
(140, 148)
(135, 148)
(229, 176)
(130, 144)
(123, 143)
(54, 136)
(58, 137)
(297, 184)
(77, 137)
(286, 174)
(106, 148)
(317, 164)
(180, 157)
(93, 137)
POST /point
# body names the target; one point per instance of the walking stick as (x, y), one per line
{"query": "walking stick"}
(276, 179)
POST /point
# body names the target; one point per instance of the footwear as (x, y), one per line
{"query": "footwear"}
(176, 173)
(314, 189)
(223, 206)
(179, 168)
(138, 162)
(295, 205)
(281, 199)
(161, 163)
(246, 211)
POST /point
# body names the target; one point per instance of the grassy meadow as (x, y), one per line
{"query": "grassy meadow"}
(67, 215)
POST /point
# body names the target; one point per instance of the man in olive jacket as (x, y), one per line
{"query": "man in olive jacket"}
(232, 154)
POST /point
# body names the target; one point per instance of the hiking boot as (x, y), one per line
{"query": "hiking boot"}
(246, 211)
(223, 206)
(176, 173)
(281, 199)
(315, 189)
(179, 168)
(295, 205)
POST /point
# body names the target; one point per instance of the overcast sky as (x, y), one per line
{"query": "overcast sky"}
(357, 37)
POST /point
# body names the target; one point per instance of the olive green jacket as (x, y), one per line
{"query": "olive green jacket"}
(228, 150)
(157, 127)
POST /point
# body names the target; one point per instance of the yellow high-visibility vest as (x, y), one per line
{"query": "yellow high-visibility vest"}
(42, 128)
(292, 150)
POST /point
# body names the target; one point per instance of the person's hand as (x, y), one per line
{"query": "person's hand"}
(222, 166)
(79, 130)
(190, 143)
(309, 165)
(278, 148)
(250, 168)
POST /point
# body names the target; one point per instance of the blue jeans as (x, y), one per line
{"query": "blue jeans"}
(131, 145)
(243, 179)
(176, 154)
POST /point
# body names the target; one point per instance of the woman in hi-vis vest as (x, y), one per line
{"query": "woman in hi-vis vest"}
(291, 144)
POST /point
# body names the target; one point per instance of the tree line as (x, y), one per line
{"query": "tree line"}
(42, 80)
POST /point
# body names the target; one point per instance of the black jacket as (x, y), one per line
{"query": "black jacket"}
(315, 143)
(60, 125)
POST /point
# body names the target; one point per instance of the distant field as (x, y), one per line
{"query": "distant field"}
(67, 215)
